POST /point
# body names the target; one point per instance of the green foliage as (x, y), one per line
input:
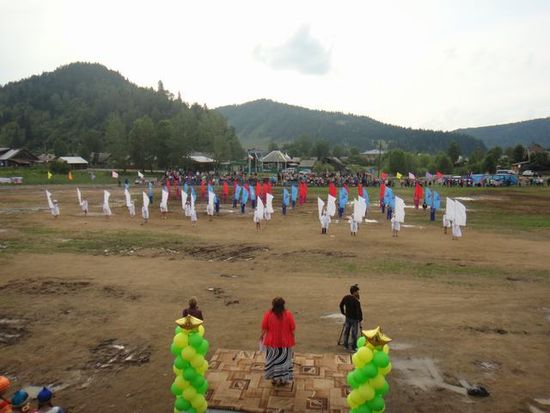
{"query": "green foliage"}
(255, 121)
(59, 167)
(453, 151)
(525, 133)
(83, 108)
(518, 153)
(539, 161)
(443, 164)
(397, 161)
(321, 149)
(489, 163)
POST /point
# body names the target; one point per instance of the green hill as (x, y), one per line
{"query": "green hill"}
(262, 121)
(511, 134)
(82, 108)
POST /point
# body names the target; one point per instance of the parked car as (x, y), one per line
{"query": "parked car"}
(528, 172)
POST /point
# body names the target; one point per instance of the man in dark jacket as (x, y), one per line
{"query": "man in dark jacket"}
(350, 306)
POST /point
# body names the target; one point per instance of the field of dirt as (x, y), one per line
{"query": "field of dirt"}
(87, 304)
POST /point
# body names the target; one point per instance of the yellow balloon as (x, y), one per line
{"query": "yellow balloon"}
(189, 393)
(357, 362)
(197, 361)
(386, 370)
(181, 382)
(351, 402)
(205, 365)
(386, 349)
(356, 397)
(365, 354)
(202, 408)
(181, 340)
(188, 353)
(177, 371)
(366, 391)
(201, 331)
(378, 382)
(197, 401)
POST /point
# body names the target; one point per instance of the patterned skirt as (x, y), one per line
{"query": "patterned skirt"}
(278, 363)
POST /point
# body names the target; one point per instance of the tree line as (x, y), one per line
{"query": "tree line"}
(84, 108)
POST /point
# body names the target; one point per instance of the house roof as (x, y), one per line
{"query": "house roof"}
(46, 157)
(373, 152)
(73, 160)
(307, 163)
(12, 154)
(276, 156)
(201, 158)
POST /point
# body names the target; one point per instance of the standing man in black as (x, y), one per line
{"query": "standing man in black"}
(350, 306)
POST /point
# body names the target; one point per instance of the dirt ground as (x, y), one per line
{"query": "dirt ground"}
(97, 322)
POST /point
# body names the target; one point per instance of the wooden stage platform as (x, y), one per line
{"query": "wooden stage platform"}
(237, 384)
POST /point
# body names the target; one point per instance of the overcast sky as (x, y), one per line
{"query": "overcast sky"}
(439, 64)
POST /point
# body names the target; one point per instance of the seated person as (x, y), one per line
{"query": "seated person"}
(21, 402)
(193, 309)
(45, 402)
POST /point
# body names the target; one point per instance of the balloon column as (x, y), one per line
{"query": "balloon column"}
(367, 380)
(189, 347)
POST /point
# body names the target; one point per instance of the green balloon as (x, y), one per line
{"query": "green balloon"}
(360, 376)
(175, 350)
(203, 389)
(186, 364)
(178, 330)
(382, 391)
(179, 363)
(380, 359)
(370, 370)
(361, 341)
(195, 340)
(198, 381)
(189, 374)
(182, 404)
(351, 380)
(203, 348)
(176, 391)
(376, 404)
(364, 409)
(191, 410)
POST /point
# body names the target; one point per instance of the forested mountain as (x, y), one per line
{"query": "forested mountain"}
(510, 134)
(263, 121)
(82, 108)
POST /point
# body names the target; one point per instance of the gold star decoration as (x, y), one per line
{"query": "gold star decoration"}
(189, 322)
(376, 337)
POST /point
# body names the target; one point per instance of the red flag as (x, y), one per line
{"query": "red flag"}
(360, 190)
(418, 192)
(382, 192)
(225, 188)
(269, 187)
(265, 189)
(346, 188)
(439, 175)
(332, 189)
(203, 188)
(258, 189)
(383, 176)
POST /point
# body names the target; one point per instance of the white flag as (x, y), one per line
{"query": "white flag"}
(49, 197)
(412, 176)
(331, 205)
(106, 207)
(269, 203)
(320, 206)
(114, 174)
(260, 209)
(164, 201)
(140, 175)
(399, 210)
(79, 195)
(128, 199)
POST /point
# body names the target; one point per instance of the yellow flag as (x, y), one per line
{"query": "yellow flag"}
(50, 175)
(398, 175)
(70, 176)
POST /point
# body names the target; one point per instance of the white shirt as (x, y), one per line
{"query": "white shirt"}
(395, 224)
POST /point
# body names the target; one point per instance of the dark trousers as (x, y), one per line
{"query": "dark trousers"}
(234, 203)
(432, 214)
(388, 213)
(383, 207)
(351, 327)
(242, 208)
(294, 202)
(253, 203)
(340, 212)
(284, 209)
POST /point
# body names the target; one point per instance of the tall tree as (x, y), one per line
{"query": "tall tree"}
(141, 142)
(453, 151)
(518, 154)
(117, 140)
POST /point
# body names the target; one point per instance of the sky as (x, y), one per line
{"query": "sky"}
(440, 64)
